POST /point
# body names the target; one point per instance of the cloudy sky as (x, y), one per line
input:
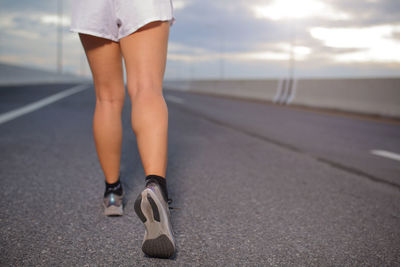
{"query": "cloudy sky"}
(232, 39)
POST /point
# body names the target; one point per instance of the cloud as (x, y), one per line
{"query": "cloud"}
(55, 20)
(288, 9)
(373, 44)
(249, 41)
(29, 38)
(179, 4)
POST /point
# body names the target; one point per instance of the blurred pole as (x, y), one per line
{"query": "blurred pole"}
(191, 70)
(221, 57)
(292, 53)
(221, 49)
(178, 70)
(59, 36)
(83, 63)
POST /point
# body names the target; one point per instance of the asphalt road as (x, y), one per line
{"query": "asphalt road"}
(255, 184)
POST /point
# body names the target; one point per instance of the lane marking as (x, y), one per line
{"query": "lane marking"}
(13, 114)
(174, 99)
(386, 154)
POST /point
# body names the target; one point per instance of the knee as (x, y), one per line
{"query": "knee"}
(144, 90)
(110, 95)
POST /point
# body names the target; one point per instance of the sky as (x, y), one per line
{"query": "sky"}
(235, 39)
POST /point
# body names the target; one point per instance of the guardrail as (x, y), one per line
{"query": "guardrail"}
(375, 96)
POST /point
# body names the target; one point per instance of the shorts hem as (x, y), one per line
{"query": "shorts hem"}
(109, 37)
(148, 20)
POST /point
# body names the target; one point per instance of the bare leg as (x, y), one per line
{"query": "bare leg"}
(105, 62)
(145, 53)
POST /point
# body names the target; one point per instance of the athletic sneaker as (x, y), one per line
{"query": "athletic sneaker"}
(151, 206)
(113, 202)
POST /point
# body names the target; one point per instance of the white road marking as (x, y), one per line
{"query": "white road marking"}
(13, 114)
(174, 99)
(386, 154)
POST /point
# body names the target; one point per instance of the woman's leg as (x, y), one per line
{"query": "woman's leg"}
(105, 62)
(145, 53)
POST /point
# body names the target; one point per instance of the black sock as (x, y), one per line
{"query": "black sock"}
(161, 181)
(115, 188)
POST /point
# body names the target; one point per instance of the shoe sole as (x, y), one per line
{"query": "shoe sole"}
(113, 210)
(158, 240)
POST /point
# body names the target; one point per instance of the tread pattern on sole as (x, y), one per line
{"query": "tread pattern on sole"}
(138, 209)
(156, 213)
(160, 247)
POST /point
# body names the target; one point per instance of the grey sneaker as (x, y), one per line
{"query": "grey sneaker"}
(113, 204)
(152, 209)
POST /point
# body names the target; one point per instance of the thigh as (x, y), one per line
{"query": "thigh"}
(145, 55)
(105, 61)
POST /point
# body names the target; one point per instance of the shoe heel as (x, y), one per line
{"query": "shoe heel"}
(113, 211)
(160, 247)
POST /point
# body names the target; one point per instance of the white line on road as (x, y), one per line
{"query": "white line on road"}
(13, 114)
(386, 154)
(174, 99)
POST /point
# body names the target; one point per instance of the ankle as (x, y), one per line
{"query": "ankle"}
(115, 188)
(161, 181)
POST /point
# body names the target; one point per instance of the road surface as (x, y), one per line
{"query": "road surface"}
(254, 184)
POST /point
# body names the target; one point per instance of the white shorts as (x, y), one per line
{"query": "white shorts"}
(115, 19)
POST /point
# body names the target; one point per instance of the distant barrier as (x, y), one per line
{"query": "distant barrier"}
(375, 96)
(20, 75)
(253, 89)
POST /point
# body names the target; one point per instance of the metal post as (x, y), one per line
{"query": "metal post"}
(292, 59)
(59, 36)
(292, 54)
(221, 51)
(83, 63)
